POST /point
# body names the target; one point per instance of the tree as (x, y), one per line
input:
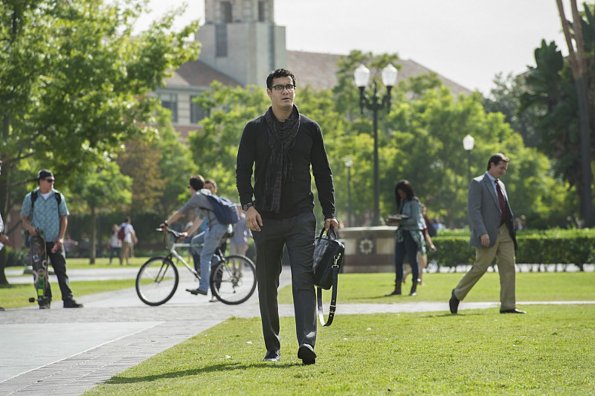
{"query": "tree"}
(175, 166)
(552, 93)
(140, 161)
(75, 83)
(420, 140)
(579, 60)
(505, 98)
(214, 146)
(101, 191)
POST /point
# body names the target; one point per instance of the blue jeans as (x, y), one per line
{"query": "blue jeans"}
(212, 240)
(196, 243)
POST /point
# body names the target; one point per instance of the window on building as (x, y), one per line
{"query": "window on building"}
(197, 113)
(221, 40)
(261, 11)
(170, 102)
(226, 13)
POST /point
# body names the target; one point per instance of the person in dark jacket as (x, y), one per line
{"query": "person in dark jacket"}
(279, 149)
(408, 237)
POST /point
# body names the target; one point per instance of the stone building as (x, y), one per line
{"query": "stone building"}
(240, 45)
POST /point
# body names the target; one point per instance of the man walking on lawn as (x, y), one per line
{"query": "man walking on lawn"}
(283, 145)
(492, 235)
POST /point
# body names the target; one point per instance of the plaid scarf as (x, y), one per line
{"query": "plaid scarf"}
(281, 138)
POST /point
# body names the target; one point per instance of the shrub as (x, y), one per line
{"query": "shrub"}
(535, 247)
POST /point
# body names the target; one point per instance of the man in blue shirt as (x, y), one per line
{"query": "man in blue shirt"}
(44, 210)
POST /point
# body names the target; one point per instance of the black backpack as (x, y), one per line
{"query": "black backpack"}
(35, 194)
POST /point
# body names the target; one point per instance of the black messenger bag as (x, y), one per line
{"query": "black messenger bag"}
(328, 259)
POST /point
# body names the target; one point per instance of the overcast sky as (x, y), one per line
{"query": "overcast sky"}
(468, 41)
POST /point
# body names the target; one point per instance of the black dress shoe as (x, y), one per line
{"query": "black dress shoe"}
(307, 354)
(453, 303)
(197, 291)
(272, 356)
(512, 311)
(71, 304)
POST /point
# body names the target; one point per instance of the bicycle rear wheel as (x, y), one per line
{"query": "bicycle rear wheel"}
(233, 280)
(157, 281)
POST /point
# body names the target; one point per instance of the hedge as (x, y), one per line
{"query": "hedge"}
(537, 247)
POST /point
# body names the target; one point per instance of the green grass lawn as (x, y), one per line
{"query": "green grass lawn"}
(15, 296)
(551, 350)
(533, 286)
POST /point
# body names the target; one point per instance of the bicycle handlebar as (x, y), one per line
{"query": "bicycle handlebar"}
(174, 233)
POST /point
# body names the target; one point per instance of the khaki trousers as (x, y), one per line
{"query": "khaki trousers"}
(503, 252)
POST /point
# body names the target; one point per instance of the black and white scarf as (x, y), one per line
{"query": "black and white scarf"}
(281, 138)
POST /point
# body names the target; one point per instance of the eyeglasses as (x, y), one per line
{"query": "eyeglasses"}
(50, 180)
(283, 87)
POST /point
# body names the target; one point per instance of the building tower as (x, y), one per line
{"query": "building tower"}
(240, 39)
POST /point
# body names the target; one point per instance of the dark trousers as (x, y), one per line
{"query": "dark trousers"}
(297, 235)
(58, 261)
(406, 248)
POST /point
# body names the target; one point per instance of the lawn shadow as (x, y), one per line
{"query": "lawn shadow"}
(117, 380)
(448, 314)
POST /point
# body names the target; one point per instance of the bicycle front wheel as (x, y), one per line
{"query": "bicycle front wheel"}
(233, 280)
(157, 281)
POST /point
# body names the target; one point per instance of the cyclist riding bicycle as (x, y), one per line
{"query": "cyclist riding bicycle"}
(214, 233)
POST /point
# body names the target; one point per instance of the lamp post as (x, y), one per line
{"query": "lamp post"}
(468, 143)
(375, 103)
(348, 165)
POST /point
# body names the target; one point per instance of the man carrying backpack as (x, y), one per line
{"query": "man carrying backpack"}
(44, 210)
(209, 207)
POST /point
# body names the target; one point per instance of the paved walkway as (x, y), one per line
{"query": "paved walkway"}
(66, 352)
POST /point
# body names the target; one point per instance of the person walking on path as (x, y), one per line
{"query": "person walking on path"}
(409, 237)
(44, 210)
(115, 245)
(283, 146)
(129, 239)
(492, 235)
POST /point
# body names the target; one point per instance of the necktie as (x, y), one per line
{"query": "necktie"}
(502, 202)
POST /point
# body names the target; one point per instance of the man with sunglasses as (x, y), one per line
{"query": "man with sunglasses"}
(44, 210)
(282, 147)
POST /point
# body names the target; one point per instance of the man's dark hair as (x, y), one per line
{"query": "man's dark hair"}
(197, 182)
(496, 159)
(279, 73)
(404, 186)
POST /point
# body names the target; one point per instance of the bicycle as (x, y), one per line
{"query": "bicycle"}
(232, 280)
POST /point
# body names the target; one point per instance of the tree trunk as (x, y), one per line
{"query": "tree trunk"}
(4, 201)
(3, 279)
(578, 64)
(586, 196)
(93, 235)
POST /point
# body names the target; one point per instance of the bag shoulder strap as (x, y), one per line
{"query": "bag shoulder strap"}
(333, 306)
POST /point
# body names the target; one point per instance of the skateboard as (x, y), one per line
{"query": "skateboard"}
(39, 262)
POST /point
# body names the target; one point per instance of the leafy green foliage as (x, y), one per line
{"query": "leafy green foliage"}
(420, 139)
(551, 93)
(214, 146)
(76, 82)
(556, 247)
